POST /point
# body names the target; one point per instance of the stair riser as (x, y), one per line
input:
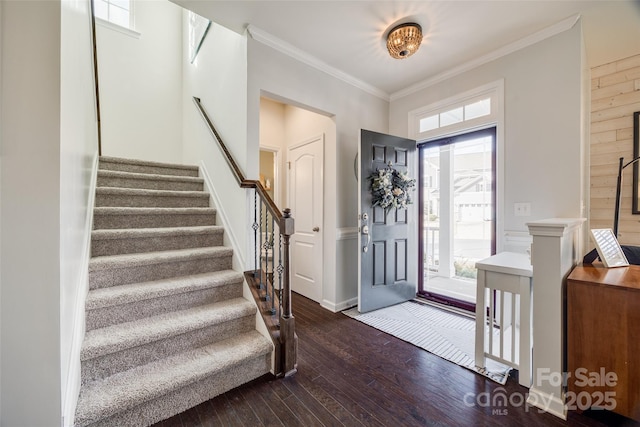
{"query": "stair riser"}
(152, 244)
(149, 184)
(99, 318)
(110, 222)
(187, 397)
(156, 170)
(102, 367)
(144, 201)
(122, 276)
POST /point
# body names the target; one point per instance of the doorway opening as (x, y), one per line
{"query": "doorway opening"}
(269, 171)
(457, 220)
(296, 136)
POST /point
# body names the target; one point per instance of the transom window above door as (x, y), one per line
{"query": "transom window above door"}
(463, 113)
(475, 109)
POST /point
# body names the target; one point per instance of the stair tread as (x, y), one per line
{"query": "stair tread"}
(132, 210)
(109, 159)
(106, 173)
(150, 192)
(114, 338)
(124, 294)
(180, 311)
(128, 389)
(131, 233)
(147, 258)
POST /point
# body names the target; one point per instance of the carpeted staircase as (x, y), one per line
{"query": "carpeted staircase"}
(166, 324)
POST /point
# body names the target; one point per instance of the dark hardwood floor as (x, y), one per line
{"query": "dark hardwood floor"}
(350, 374)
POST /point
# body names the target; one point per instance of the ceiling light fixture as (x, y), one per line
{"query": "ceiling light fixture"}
(404, 40)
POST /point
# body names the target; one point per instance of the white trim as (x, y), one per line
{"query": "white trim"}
(342, 305)
(260, 324)
(119, 28)
(496, 118)
(74, 368)
(554, 405)
(229, 235)
(346, 233)
(292, 51)
(554, 227)
(532, 39)
(492, 90)
(282, 46)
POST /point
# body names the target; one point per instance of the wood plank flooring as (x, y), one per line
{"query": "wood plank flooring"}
(350, 374)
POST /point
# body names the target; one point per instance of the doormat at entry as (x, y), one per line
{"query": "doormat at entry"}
(447, 335)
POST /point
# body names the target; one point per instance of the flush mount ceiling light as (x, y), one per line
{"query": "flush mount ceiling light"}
(404, 40)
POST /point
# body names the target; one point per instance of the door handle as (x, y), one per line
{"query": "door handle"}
(316, 229)
(365, 230)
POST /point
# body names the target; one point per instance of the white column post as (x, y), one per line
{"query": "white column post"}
(556, 250)
(447, 221)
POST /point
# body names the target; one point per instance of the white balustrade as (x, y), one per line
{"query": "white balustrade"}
(503, 312)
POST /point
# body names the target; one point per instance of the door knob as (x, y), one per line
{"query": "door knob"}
(316, 229)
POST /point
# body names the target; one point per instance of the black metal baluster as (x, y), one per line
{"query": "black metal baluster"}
(280, 270)
(261, 284)
(255, 227)
(265, 248)
(273, 260)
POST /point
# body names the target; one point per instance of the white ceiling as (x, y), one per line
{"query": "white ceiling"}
(349, 35)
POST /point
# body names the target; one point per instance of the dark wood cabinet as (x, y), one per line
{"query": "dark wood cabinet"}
(603, 339)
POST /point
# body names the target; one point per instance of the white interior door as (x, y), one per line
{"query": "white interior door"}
(306, 192)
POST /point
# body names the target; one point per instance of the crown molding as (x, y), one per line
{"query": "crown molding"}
(534, 38)
(282, 46)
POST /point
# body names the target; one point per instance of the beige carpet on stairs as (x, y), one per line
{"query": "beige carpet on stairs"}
(167, 327)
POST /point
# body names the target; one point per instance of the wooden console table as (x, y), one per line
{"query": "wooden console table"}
(603, 336)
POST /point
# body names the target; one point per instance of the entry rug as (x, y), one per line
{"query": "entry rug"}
(447, 335)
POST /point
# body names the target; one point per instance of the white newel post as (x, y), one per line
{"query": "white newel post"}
(556, 250)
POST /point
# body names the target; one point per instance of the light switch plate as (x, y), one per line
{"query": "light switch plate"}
(522, 209)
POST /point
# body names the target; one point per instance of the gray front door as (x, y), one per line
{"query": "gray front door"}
(388, 238)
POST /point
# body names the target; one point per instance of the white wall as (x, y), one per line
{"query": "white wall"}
(30, 391)
(218, 78)
(1, 150)
(543, 125)
(141, 85)
(283, 78)
(78, 159)
(611, 31)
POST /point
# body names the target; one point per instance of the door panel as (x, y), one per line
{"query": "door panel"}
(306, 200)
(388, 239)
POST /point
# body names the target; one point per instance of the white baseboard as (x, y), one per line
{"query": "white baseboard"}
(238, 258)
(342, 305)
(261, 326)
(550, 403)
(74, 369)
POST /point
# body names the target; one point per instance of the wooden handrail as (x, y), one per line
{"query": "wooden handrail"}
(237, 172)
(286, 352)
(95, 73)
